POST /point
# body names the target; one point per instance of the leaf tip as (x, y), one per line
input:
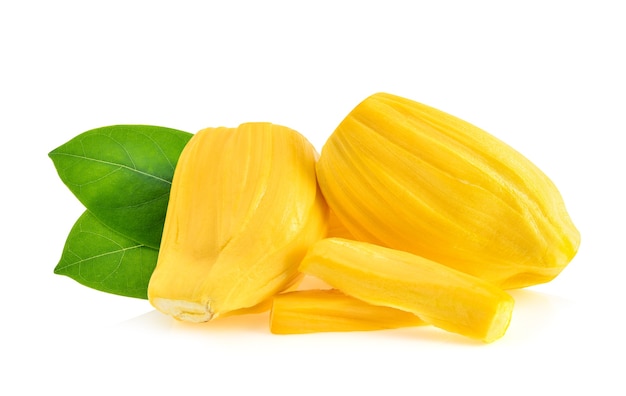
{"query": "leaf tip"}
(54, 152)
(58, 270)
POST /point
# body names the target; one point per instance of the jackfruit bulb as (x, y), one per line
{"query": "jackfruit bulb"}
(244, 208)
(404, 175)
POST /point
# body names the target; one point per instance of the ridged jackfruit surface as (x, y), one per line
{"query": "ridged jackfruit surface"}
(407, 176)
(244, 208)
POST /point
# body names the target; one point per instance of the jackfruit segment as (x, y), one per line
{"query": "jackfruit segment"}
(410, 177)
(314, 311)
(244, 208)
(439, 295)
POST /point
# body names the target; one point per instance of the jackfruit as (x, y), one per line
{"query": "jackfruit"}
(314, 311)
(439, 295)
(244, 207)
(404, 175)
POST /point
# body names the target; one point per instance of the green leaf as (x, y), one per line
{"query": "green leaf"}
(98, 257)
(123, 175)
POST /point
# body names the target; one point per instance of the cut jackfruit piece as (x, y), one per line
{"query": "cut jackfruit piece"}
(244, 208)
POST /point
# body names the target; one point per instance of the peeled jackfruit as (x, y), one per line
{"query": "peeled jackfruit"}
(407, 176)
(314, 311)
(442, 296)
(244, 207)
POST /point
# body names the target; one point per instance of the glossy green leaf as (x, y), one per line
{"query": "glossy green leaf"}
(123, 175)
(98, 257)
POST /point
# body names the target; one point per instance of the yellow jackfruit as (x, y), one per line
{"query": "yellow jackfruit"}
(442, 296)
(244, 207)
(314, 311)
(404, 175)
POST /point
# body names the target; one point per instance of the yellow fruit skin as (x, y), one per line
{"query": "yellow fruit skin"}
(404, 175)
(314, 311)
(244, 207)
(444, 297)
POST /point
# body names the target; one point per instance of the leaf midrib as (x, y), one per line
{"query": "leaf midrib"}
(82, 260)
(115, 164)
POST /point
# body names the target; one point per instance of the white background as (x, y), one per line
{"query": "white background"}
(547, 77)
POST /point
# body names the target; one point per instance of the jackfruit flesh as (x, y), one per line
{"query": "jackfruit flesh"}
(329, 310)
(244, 207)
(442, 296)
(404, 175)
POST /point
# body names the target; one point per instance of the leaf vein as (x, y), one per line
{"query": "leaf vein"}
(158, 146)
(84, 157)
(82, 260)
(125, 150)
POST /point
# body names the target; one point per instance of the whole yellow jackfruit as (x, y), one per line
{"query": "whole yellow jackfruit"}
(404, 175)
(244, 207)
